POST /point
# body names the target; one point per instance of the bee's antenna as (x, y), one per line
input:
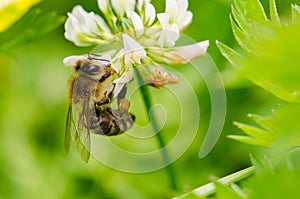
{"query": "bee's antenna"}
(94, 56)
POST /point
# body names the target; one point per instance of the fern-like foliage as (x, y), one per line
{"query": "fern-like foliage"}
(270, 45)
(270, 60)
(280, 128)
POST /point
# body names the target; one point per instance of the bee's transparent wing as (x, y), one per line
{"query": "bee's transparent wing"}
(68, 129)
(77, 130)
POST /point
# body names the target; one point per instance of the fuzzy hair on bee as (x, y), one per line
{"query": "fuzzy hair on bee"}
(91, 92)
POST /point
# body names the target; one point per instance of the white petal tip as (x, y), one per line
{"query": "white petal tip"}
(130, 44)
(204, 45)
(106, 57)
(73, 60)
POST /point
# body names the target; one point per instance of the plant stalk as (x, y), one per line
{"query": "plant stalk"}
(146, 95)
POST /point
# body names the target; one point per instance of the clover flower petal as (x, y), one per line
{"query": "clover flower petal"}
(141, 3)
(150, 14)
(170, 32)
(177, 10)
(85, 29)
(137, 23)
(134, 52)
(178, 55)
(121, 6)
(135, 36)
(103, 5)
(147, 11)
(73, 60)
(125, 78)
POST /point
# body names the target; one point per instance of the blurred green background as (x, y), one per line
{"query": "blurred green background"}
(33, 104)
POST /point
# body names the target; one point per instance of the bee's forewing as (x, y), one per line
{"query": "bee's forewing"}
(68, 129)
(83, 146)
(81, 134)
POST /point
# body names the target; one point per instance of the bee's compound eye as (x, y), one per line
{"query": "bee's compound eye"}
(92, 69)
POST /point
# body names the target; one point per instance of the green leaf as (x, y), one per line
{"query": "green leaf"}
(31, 26)
(224, 192)
(255, 132)
(280, 129)
(13, 11)
(251, 10)
(264, 121)
(262, 165)
(273, 12)
(295, 12)
(241, 37)
(251, 18)
(276, 69)
(282, 184)
(249, 140)
(271, 48)
(257, 164)
(231, 55)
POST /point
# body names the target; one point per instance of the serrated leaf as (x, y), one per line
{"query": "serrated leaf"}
(271, 48)
(286, 123)
(249, 140)
(276, 69)
(295, 12)
(240, 20)
(281, 185)
(241, 37)
(264, 122)
(256, 133)
(237, 189)
(282, 128)
(251, 10)
(251, 17)
(273, 12)
(231, 55)
(259, 168)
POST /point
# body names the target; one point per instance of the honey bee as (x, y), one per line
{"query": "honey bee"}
(91, 91)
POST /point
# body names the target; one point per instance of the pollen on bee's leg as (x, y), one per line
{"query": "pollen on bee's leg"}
(124, 105)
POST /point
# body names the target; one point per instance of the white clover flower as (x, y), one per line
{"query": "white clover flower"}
(85, 28)
(141, 37)
(170, 33)
(177, 10)
(103, 5)
(134, 52)
(122, 6)
(137, 23)
(147, 10)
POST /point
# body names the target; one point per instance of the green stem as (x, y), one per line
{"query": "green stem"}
(146, 94)
(210, 188)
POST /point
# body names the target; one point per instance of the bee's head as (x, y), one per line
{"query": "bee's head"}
(94, 66)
